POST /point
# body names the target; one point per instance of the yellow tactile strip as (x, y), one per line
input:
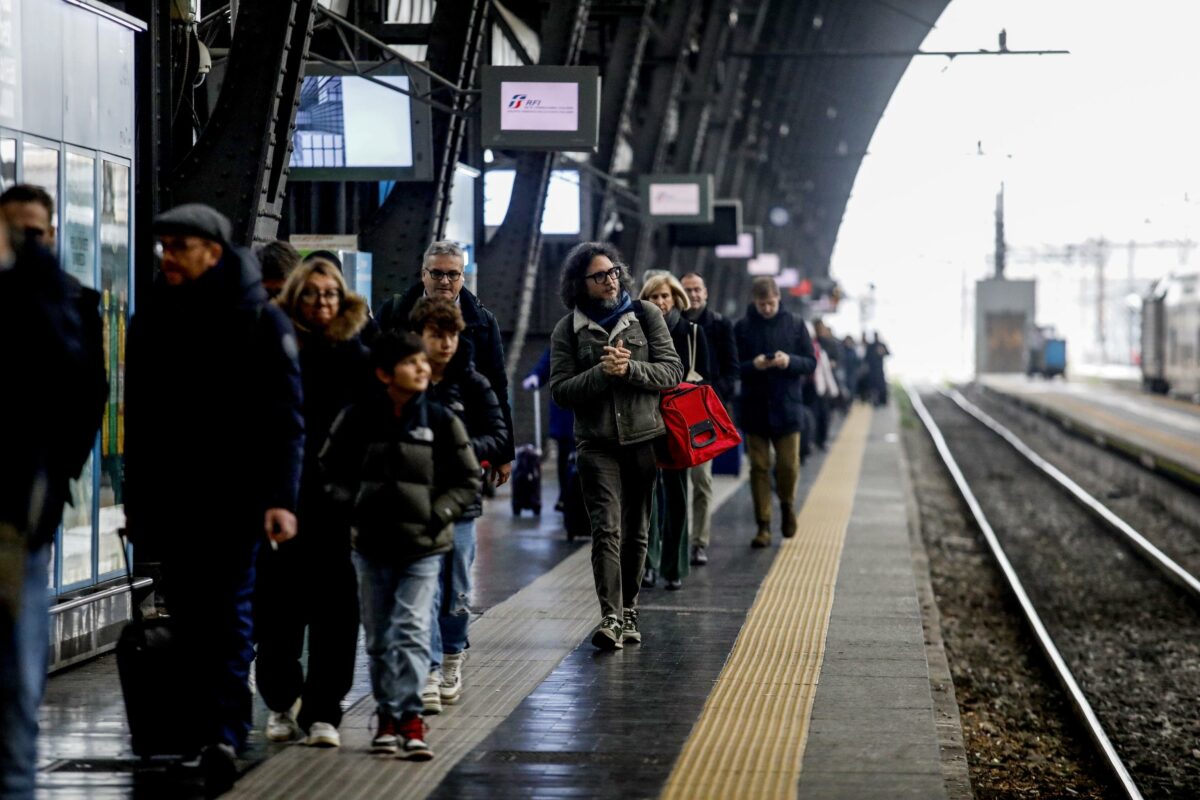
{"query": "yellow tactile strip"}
(749, 741)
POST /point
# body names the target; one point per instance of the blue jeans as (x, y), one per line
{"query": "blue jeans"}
(396, 602)
(450, 628)
(24, 649)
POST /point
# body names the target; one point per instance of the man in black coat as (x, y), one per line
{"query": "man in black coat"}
(723, 361)
(214, 444)
(52, 361)
(442, 278)
(776, 353)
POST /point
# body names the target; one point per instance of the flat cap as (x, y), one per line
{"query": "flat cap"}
(194, 219)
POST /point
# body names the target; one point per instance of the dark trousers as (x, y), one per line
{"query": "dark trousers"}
(618, 486)
(305, 587)
(668, 548)
(208, 583)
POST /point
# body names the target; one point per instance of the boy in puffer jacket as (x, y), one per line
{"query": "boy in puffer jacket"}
(403, 470)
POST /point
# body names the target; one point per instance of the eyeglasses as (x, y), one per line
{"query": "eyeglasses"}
(448, 277)
(174, 246)
(601, 278)
(315, 295)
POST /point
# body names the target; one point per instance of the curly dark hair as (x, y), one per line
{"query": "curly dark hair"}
(572, 289)
(441, 315)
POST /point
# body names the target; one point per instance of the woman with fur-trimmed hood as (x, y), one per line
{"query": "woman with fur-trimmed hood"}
(310, 582)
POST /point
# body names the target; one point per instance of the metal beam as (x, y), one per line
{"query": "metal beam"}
(239, 163)
(514, 253)
(414, 214)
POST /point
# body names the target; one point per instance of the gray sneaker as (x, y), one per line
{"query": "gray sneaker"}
(629, 630)
(699, 556)
(608, 635)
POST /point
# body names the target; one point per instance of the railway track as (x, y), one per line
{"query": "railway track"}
(1105, 621)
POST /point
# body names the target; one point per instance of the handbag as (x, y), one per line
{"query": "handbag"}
(698, 427)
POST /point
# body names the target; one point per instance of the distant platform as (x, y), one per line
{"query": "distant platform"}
(1160, 432)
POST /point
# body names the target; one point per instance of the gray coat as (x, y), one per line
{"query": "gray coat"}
(607, 408)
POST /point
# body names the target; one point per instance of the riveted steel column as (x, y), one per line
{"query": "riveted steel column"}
(239, 163)
(414, 214)
(512, 257)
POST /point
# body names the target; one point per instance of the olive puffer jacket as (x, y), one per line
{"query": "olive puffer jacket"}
(401, 481)
(607, 408)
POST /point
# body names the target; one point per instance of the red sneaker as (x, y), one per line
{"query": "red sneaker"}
(385, 741)
(410, 733)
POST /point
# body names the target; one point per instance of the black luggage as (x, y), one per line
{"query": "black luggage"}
(575, 516)
(157, 686)
(527, 481)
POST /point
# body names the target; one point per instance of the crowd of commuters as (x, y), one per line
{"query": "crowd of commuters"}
(297, 469)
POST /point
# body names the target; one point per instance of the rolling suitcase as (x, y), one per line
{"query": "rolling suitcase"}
(527, 473)
(154, 672)
(575, 517)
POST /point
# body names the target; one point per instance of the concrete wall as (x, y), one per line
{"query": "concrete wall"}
(1005, 313)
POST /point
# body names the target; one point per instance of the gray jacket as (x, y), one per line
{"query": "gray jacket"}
(608, 408)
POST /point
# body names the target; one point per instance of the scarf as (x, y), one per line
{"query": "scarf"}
(603, 317)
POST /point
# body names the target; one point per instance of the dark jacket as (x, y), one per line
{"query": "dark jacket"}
(482, 332)
(681, 336)
(722, 352)
(562, 421)
(607, 408)
(52, 360)
(771, 398)
(335, 368)
(215, 431)
(400, 482)
(469, 395)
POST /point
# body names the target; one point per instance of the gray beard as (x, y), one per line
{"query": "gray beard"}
(610, 305)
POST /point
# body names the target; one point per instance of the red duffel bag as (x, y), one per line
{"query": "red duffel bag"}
(698, 427)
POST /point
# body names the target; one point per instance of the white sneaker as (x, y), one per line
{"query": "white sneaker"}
(431, 695)
(281, 727)
(451, 686)
(322, 734)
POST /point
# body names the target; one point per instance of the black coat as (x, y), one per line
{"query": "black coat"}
(335, 368)
(400, 481)
(215, 432)
(52, 360)
(722, 352)
(482, 332)
(681, 336)
(469, 395)
(771, 398)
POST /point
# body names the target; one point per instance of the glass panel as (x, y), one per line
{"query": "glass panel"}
(40, 166)
(8, 163)
(77, 529)
(79, 224)
(114, 286)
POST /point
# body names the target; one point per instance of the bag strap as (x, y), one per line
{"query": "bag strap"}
(695, 334)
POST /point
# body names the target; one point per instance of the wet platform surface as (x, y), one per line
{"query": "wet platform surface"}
(545, 715)
(1156, 427)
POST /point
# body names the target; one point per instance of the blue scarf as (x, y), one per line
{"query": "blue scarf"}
(603, 317)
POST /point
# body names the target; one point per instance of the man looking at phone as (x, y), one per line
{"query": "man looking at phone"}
(776, 353)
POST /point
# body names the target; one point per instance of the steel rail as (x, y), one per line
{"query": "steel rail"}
(1082, 707)
(1157, 558)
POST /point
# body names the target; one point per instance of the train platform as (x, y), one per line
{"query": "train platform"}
(1160, 432)
(797, 670)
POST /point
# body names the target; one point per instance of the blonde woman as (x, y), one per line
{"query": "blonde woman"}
(310, 583)
(668, 551)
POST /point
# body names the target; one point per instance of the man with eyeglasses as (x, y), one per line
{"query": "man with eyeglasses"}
(610, 358)
(442, 278)
(214, 440)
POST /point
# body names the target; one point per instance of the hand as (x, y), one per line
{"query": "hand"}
(761, 362)
(615, 360)
(531, 383)
(782, 359)
(503, 473)
(279, 524)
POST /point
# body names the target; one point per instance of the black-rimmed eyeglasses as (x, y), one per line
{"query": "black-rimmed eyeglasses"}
(601, 278)
(439, 276)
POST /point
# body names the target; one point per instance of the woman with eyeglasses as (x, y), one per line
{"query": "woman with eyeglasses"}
(309, 583)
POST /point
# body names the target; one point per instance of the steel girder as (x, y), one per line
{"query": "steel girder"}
(514, 253)
(239, 163)
(414, 214)
(152, 58)
(668, 69)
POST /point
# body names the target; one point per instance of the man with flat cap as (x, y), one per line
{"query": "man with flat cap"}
(214, 439)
